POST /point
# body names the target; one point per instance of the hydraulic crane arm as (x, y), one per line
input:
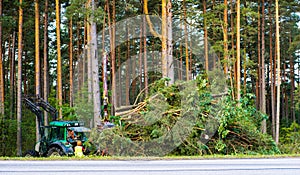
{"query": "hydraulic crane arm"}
(38, 112)
(47, 107)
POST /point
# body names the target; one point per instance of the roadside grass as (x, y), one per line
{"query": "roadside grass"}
(87, 158)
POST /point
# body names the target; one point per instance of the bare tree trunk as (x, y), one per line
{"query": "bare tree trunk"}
(263, 84)
(79, 57)
(46, 74)
(71, 60)
(88, 58)
(127, 68)
(164, 59)
(225, 37)
(19, 90)
(59, 61)
(170, 63)
(186, 42)
(113, 60)
(238, 60)
(1, 68)
(140, 64)
(258, 88)
(273, 105)
(205, 37)
(95, 70)
(37, 49)
(292, 83)
(278, 72)
(37, 61)
(112, 31)
(145, 57)
(12, 77)
(120, 77)
(232, 67)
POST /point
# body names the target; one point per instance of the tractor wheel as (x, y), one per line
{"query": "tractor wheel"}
(55, 152)
(31, 153)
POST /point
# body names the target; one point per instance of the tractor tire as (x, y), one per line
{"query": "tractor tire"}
(31, 153)
(55, 152)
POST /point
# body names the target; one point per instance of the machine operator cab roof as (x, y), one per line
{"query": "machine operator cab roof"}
(66, 123)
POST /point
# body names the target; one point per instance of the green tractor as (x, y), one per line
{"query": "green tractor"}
(54, 139)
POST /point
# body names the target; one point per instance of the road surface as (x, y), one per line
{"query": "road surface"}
(280, 166)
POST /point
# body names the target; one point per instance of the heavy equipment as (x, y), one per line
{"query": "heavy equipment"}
(54, 139)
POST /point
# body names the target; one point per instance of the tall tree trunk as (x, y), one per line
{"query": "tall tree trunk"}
(12, 77)
(59, 60)
(292, 82)
(95, 69)
(225, 38)
(113, 59)
(37, 60)
(186, 41)
(19, 90)
(263, 84)
(140, 64)
(238, 60)
(71, 60)
(88, 57)
(111, 27)
(205, 37)
(258, 83)
(127, 67)
(164, 58)
(79, 58)
(1, 68)
(145, 57)
(170, 65)
(46, 74)
(232, 67)
(119, 102)
(278, 72)
(273, 105)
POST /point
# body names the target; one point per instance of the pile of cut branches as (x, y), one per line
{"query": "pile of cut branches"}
(186, 119)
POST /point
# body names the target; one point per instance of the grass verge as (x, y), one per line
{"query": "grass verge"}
(87, 158)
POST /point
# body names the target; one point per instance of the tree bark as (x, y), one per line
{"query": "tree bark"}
(145, 58)
(71, 61)
(95, 69)
(292, 82)
(186, 42)
(12, 77)
(113, 59)
(225, 38)
(170, 65)
(238, 60)
(232, 67)
(205, 37)
(19, 90)
(278, 72)
(37, 60)
(59, 60)
(46, 74)
(273, 105)
(1, 68)
(164, 56)
(88, 57)
(263, 84)
(127, 67)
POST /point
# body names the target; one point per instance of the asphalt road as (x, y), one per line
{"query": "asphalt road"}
(282, 166)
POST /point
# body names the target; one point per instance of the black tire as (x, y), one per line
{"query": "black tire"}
(31, 153)
(55, 152)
